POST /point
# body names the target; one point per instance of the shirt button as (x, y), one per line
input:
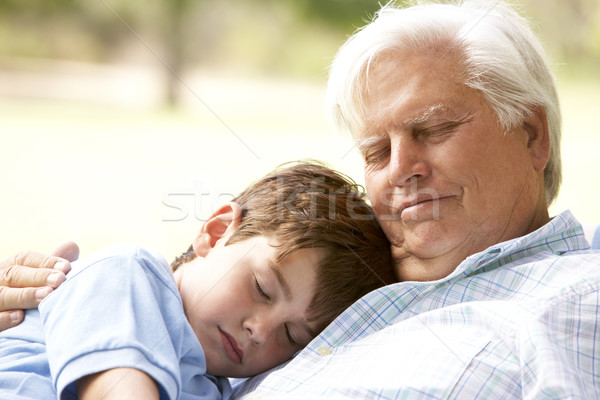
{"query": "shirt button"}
(324, 351)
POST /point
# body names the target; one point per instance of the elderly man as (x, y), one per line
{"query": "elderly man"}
(455, 112)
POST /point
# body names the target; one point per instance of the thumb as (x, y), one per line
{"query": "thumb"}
(67, 250)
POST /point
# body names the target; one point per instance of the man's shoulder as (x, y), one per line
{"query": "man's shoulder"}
(592, 234)
(584, 262)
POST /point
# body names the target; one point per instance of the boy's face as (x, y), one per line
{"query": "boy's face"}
(249, 312)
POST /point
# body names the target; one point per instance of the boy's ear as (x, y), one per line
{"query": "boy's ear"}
(538, 142)
(222, 223)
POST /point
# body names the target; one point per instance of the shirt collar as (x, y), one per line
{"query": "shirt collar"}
(562, 234)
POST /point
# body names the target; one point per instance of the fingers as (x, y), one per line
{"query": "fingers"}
(67, 250)
(11, 318)
(22, 298)
(20, 276)
(32, 260)
(13, 298)
(28, 277)
(38, 260)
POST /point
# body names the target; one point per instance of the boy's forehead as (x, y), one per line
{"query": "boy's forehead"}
(286, 248)
(300, 263)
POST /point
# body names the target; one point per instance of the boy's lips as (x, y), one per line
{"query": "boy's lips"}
(233, 351)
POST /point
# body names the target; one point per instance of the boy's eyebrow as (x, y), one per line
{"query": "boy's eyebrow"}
(284, 285)
(310, 330)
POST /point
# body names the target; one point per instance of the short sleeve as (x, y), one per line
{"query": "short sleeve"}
(121, 309)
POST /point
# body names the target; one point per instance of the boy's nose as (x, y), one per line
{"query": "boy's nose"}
(259, 329)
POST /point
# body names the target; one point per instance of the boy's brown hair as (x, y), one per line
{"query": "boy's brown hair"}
(307, 205)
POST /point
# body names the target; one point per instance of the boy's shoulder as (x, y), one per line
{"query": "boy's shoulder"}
(121, 253)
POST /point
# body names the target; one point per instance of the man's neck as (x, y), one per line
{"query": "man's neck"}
(409, 267)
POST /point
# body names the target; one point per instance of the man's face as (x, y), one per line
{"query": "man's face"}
(247, 310)
(444, 179)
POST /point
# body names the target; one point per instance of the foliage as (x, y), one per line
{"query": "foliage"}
(287, 37)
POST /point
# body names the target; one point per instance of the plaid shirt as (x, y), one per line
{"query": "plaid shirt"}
(518, 320)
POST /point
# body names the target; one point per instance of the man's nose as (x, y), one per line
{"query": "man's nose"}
(407, 162)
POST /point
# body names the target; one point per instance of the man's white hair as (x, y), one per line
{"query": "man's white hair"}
(501, 56)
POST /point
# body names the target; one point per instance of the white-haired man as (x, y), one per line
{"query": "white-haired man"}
(454, 110)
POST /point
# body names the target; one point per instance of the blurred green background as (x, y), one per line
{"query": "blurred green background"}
(131, 121)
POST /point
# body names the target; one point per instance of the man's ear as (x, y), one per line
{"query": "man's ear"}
(222, 223)
(538, 142)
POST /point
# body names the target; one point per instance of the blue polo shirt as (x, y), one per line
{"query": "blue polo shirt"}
(119, 307)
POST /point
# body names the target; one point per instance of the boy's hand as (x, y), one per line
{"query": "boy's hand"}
(27, 277)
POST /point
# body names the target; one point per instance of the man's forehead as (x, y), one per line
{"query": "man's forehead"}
(407, 87)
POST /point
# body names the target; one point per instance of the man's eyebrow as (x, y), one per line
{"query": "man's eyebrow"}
(284, 285)
(408, 123)
(424, 116)
(365, 143)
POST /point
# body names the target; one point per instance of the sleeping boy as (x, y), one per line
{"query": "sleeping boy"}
(265, 274)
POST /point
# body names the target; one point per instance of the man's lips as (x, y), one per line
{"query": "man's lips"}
(233, 351)
(417, 202)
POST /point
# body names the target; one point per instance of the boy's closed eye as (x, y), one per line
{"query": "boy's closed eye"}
(264, 295)
(260, 290)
